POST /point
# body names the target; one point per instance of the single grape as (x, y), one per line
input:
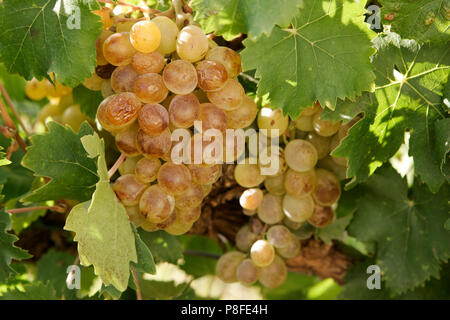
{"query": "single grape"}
(274, 275)
(169, 31)
(174, 178)
(156, 146)
(180, 77)
(150, 88)
(270, 210)
(156, 205)
(192, 43)
(321, 217)
(73, 117)
(251, 199)
(212, 118)
(190, 215)
(129, 189)
(101, 61)
(184, 110)
(275, 185)
(135, 216)
(229, 97)
(118, 112)
(146, 169)
(205, 174)
(279, 236)
(93, 83)
(299, 184)
(273, 121)
(244, 115)
(245, 238)
(191, 198)
(304, 123)
(328, 188)
(118, 50)
(248, 175)
(325, 128)
(145, 36)
(291, 250)
(123, 79)
(247, 272)
(321, 144)
(107, 89)
(226, 267)
(212, 75)
(128, 166)
(228, 58)
(262, 253)
(153, 119)
(298, 209)
(300, 155)
(148, 62)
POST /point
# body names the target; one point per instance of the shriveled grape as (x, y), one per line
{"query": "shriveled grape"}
(129, 189)
(118, 50)
(321, 217)
(148, 62)
(153, 119)
(328, 188)
(184, 110)
(123, 79)
(212, 75)
(147, 169)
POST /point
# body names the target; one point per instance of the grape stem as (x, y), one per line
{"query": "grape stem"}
(136, 282)
(9, 123)
(181, 16)
(116, 165)
(28, 209)
(197, 253)
(13, 109)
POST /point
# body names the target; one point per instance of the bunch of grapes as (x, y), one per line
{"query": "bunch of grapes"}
(161, 79)
(304, 190)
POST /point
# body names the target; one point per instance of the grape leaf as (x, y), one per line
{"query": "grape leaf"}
(421, 20)
(310, 63)
(32, 291)
(3, 160)
(7, 249)
(88, 100)
(442, 134)
(164, 247)
(229, 18)
(410, 80)
(42, 36)
(334, 231)
(408, 228)
(103, 232)
(59, 154)
(346, 110)
(145, 262)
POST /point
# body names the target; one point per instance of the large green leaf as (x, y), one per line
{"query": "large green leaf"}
(145, 261)
(229, 18)
(103, 232)
(39, 37)
(408, 228)
(422, 20)
(88, 100)
(410, 81)
(7, 249)
(59, 155)
(305, 62)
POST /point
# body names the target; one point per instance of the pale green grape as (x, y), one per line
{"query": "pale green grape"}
(274, 275)
(273, 121)
(248, 175)
(247, 272)
(226, 267)
(325, 128)
(322, 144)
(291, 250)
(279, 236)
(300, 155)
(298, 209)
(245, 238)
(169, 32)
(275, 185)
(270, 210)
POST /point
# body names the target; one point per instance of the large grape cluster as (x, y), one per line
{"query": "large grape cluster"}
(304, 190)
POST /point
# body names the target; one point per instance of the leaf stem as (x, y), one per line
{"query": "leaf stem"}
(116, 165)
(136, 282)
(9, 123)
(28, 209)
(13, 109)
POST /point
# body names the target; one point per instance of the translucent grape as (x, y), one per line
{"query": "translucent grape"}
(328, 188)
(299, 184)
(251, 199)
(229, 97)
(321, 144)
(228, 58)
(291, 250)
(118, 50)
(184, 110)
(191, 198)
(298, 209)
(304, 123)
(148, 62)
(128, 166)
(129, 189)
(270, 210)
(226, 267)
(93, 83)
(150, 88)
(273, 121)
(101, 61)
(146, 169)
(192, 43)
(212, 75)
(244, 115)
(189, 215)
(245, 238)
(300, 155)
(73, 117)
(156, 205)
(153, 119)
(156, 146)
(275, 185)
(262, 253)
(247, 272)
(205, 174)
(325, 128)
(180, 77)
(123, 79)
(145, 36)
(248, 175)
(279, 236)
(174, 178)
(169, 32)
(212, 117)
(275, 274)
(118, 112)
(321, 217)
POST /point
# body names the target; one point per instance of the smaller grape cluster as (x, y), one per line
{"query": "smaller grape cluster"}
(303, 191)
